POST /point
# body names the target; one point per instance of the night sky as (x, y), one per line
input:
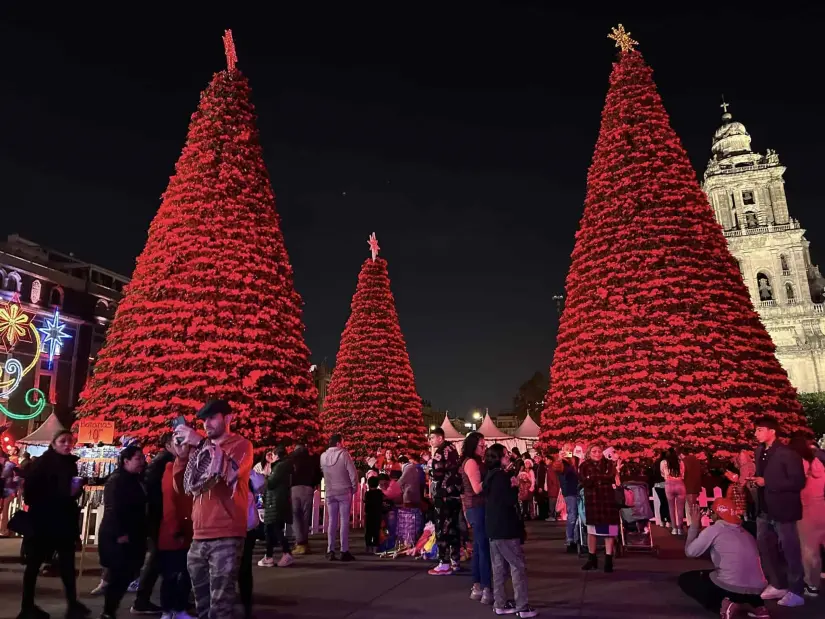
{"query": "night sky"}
(461, 136)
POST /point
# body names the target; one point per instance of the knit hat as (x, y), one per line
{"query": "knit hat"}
(726, 510)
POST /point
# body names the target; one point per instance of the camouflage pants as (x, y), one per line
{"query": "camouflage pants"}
(213, 566)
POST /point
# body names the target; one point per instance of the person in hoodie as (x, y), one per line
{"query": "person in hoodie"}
(173, 541)
(306, 477)
(505, 530)
(340, 484)
(51, 493)
(219, 509)
(153, 482)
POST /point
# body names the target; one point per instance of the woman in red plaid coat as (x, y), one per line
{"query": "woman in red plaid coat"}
(598, 476)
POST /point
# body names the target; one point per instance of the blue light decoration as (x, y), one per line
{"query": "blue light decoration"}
(53, 334)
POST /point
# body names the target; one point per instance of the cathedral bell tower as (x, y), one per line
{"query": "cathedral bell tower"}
(747, 192)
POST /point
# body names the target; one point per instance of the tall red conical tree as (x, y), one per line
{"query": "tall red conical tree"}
(371, 399)
(211, 311)
(658, 343)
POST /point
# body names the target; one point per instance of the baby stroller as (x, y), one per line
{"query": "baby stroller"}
(635, 529)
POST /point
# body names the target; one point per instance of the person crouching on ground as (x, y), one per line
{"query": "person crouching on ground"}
(505, 530)
(737, 578)
(278, 510)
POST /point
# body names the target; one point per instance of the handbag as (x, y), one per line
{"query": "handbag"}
(21, 523)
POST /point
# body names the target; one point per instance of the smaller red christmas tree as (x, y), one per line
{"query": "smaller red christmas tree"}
(372, 400)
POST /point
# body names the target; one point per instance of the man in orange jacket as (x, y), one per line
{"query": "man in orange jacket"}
(216, 475)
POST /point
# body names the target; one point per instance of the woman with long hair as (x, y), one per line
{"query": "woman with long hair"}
(673, 470)
(51, 492)
(597, 476)
(472, 500)
(812, 526)
(122, 545)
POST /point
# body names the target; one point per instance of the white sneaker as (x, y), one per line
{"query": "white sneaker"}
(183, 615)
(772, 593)
(442, 569)
(792, 599)
(286, 560)
(100, 589)
(266, 562)
(166, 615)
(675, 532)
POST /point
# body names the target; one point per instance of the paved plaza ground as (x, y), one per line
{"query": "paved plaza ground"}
(372, 588)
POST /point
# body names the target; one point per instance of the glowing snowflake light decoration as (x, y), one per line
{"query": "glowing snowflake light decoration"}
(53, 334)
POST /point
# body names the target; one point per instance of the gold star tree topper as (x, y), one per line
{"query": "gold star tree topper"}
(622, 38)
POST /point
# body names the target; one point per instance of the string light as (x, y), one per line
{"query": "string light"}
(622, 38)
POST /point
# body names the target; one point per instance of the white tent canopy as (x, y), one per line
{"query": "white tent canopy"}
(45, 433)
(528, 430)
(450, 433)
(490, 430)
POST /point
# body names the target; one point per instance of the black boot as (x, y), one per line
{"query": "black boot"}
(608, 564)
(592, 563)
(572, 549)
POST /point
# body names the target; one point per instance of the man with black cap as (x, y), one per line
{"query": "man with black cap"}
(217, 476)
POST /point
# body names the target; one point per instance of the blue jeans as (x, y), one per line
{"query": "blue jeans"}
(481, 547)
(780, 552)
(572, 504)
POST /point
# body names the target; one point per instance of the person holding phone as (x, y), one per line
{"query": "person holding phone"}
(737, 578)
(220, 501)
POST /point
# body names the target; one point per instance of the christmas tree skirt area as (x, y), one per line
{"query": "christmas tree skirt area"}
(371, 588)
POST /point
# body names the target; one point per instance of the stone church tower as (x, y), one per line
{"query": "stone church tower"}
(747, 192)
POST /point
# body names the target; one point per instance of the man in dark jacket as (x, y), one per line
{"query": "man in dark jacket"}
(153, 482)
(780, 477)
(306, 476)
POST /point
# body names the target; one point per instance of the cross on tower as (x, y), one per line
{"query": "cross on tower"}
(724, 106)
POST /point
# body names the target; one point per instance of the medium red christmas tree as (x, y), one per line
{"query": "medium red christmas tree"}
(658, 344)
(371, 399)
(211, 311)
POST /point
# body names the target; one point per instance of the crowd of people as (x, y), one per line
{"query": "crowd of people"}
(193, 516)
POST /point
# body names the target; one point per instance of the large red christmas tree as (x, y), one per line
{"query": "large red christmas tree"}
(371, 399)
(658, 343)
(211, 311)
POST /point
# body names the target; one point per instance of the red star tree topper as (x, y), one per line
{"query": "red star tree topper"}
(371, 399)
(211, 311)
(658, 343)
